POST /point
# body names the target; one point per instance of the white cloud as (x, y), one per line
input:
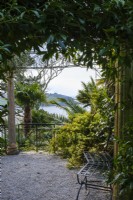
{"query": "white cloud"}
(69, 81)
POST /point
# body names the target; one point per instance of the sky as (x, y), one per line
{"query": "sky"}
(69, 81)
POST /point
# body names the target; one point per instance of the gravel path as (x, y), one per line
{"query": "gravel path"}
(39, 176)
(34, 176)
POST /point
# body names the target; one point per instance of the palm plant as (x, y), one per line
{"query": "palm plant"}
(70, 106)
(28, 96)
(85, 95)
(96, 95)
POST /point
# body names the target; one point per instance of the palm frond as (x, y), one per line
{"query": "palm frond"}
(70, 106)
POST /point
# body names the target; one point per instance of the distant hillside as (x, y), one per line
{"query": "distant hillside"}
(55, 96)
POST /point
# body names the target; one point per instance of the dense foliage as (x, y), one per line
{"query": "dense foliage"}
(42, 116)
(122, 173)
(91, 131)
(63, 25)
(83, 133)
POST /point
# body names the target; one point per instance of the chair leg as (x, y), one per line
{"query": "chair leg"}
(79, 191)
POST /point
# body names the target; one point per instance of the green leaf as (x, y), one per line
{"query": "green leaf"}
(1, 14)
(2, 140)
(102, 51)
(64, 37)
(22, 15)
(97, 8)
(50, 39)
(0, 57)
(7, 50)
(82, 21)
(61, 44)
(36, 13)
(7, 45)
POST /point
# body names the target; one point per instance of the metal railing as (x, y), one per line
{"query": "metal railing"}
(3, 135)
(38, 137)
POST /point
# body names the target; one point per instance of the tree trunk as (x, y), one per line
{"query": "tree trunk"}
(27, 120)
(12, 148)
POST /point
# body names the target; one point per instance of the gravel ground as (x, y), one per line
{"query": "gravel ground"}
(38, 176)
(34, 176)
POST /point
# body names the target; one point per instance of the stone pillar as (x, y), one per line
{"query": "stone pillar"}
(12, 147)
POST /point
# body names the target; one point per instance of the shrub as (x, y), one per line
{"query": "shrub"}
(122, 173)
(80, 135)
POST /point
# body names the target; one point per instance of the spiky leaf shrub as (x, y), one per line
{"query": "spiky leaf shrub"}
(80, 135)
